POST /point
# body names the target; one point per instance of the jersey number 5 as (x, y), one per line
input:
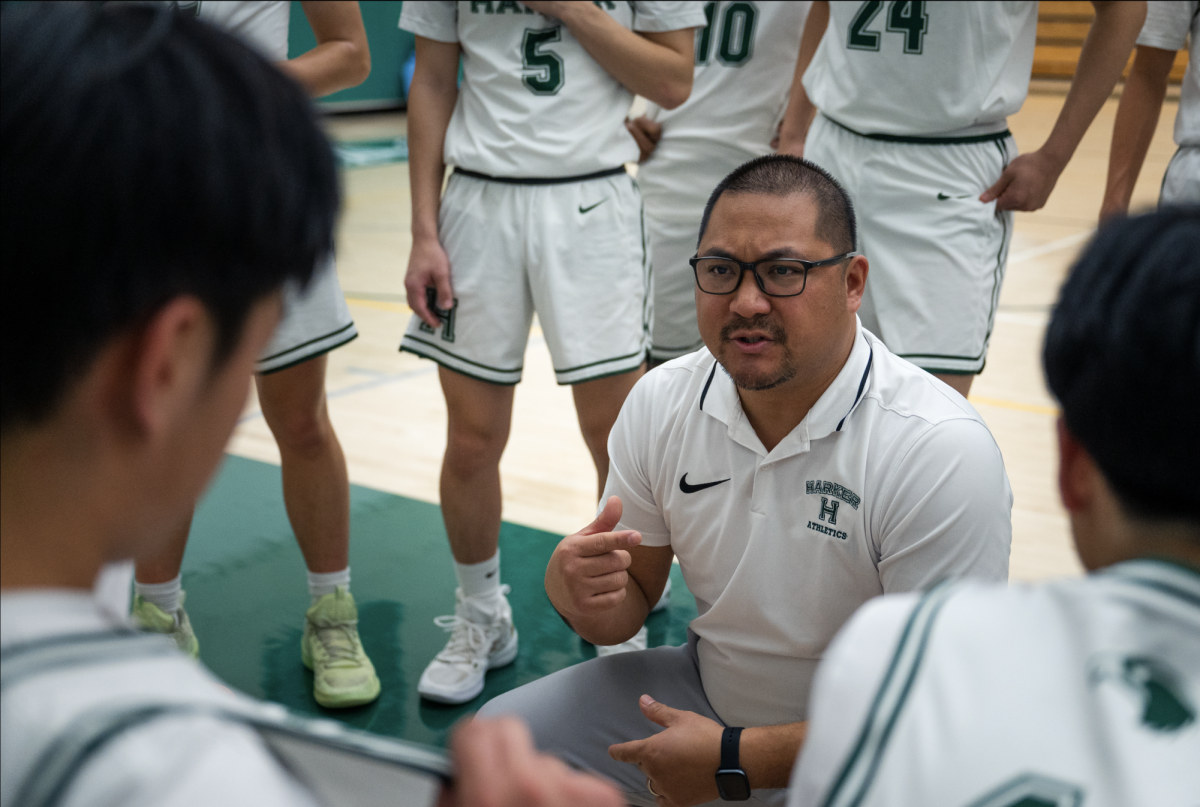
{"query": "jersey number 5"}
(547, 73)
(906, 17)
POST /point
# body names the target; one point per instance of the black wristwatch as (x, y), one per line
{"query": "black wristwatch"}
(732, 783)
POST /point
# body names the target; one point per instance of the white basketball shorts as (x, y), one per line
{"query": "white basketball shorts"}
(573, 252)
(674, 332)
(936, 253)
(315, 320)
(1181, 182)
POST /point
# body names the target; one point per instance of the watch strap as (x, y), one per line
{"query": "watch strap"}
(731, 739)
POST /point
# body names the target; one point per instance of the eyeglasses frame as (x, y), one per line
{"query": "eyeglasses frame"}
(752, 268)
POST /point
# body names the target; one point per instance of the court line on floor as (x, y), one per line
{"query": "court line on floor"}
(1003, 403)
(1053, 246)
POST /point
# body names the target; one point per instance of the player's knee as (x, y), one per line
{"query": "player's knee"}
(473, 449)
(304, 432)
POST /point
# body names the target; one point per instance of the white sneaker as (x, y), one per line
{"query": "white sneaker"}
(638, 642)
(482, 636)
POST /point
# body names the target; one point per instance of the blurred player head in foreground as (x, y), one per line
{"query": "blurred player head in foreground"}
(1122, 356)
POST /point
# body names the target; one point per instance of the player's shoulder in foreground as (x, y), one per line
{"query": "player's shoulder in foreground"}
(900, 387)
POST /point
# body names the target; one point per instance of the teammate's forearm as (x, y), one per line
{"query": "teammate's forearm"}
(431, 100)
(655, 71)
(800, 110)
(767, 753)
(1105, 51)
(341, 59)
(1137, 118)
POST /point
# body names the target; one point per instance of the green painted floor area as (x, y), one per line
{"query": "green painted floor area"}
(246, 595)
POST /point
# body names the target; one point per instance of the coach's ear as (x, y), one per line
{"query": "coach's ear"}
(856, 282)
(169, 362)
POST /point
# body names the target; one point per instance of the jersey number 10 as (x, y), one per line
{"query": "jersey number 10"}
(737, 34)
(906, 17)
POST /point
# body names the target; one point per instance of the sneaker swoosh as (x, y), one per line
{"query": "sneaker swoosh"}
(583, 209)
(942, 197)
(686, 488)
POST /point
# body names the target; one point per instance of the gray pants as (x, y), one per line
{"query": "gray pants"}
(577, 713)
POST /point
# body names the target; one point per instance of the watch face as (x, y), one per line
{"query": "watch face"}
(733, 785)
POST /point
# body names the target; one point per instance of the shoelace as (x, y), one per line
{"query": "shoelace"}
(468, 640)
(338, 642)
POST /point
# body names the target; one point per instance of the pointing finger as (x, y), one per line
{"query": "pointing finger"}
(630, 752)
(605, 542)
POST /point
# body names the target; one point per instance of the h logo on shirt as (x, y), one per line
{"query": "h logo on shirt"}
(828, 509)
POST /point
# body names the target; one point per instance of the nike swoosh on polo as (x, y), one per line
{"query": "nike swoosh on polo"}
(583, 209)
(943, 197)
(686, 488)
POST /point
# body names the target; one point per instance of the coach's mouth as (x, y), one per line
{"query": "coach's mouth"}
(751, 341)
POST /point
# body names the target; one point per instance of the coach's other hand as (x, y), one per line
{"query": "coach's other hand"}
(495, 765)
(1026, 183)
(681, 762)
(586, 574)
(647, 133)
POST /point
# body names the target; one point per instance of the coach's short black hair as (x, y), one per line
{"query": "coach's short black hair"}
(783, 175)
(1122, 356)
(145, 155)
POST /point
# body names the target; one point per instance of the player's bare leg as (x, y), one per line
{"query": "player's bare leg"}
(164, 566)
(597, 403)
(316, 492)
(316, 487)
(960, 383)
(479, 415)
(481, 629)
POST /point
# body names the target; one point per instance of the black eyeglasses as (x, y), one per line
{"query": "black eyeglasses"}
(781, 277)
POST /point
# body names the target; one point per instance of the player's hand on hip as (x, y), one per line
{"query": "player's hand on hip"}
(428, 268)
(1025, 184)
(681, 762)
(496, 765)
(647, 133)
(587, 572)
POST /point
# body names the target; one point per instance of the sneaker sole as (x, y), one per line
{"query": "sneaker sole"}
(501, 658)
(341, 700)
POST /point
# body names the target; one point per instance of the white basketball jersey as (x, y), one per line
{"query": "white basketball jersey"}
(1075, 693)
(924, 68)
(263, 24)
(532, 102)
(1169, 24)
(745, 58)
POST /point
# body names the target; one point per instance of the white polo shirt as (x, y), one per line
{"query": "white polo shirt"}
(890, 483)
(1081, 691)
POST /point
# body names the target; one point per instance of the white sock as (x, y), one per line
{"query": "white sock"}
(322, 583)
(166, 596)
(479, 580)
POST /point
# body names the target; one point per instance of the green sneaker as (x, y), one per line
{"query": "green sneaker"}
(150, 618)
(342, 674)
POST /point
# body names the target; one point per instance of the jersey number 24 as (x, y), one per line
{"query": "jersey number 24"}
(905, 17)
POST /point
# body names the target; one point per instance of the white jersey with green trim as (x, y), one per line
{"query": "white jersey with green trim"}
(1169, 24)
(744, 57)
(533, 102)
(924, 69)
(1070, 693)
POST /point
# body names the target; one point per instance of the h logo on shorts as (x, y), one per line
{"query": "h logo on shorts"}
(444, 314)
(828, 509)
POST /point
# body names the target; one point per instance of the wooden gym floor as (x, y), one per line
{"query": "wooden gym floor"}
(388, 410)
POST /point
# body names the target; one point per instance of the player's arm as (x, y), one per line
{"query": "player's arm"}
(602, 582)
(341, 58)
(431, 99)
(1028, 180)
(793, 131)
(1137, 117)
(656, 65)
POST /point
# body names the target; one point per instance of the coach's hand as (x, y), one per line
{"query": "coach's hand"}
(1026, 183)
(495, 765)
(647, 133)
(586, 574)
(428, 268)
(681, 762)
